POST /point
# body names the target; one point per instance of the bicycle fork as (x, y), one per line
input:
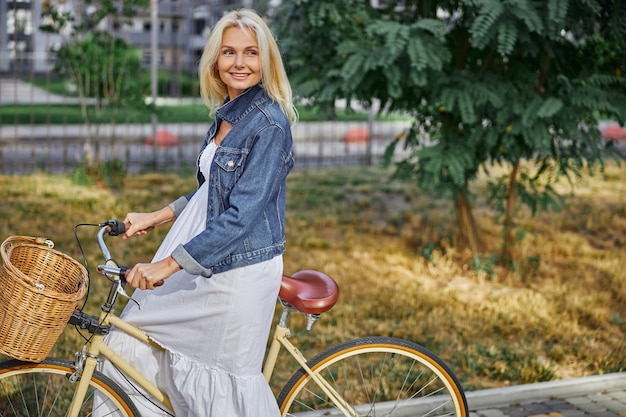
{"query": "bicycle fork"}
(85, 366)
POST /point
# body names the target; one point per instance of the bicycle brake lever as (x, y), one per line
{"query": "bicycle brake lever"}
(121, 286)
(121, 291)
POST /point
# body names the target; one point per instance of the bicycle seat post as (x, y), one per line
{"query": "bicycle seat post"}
(284, 316)
(311, 319)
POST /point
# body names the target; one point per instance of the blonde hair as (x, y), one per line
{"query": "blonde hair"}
(274, 78)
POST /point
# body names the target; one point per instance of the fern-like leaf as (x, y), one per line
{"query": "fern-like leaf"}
(507, 36)
(353, 66)
(448, 99)
(396, 35)
(525, 11)
(550, 107)
(417, 54)
(483, 27)
(457, 160)
(466, 107)
(433, 26)
(529, 116)
(603, 80)
(557, 11)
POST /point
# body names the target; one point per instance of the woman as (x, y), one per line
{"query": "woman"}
(208, 296)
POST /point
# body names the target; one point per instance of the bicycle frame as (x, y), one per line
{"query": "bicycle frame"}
(87, 360)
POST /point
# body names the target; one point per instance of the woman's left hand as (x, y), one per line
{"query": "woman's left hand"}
(151, 275)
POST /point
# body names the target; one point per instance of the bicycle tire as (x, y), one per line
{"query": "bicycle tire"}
(377, 376)
(43, 389)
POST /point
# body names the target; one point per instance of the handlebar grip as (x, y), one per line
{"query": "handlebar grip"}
(123, 271)
(113, 271)
(116, 227)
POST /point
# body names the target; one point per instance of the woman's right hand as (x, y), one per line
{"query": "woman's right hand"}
(138, 224)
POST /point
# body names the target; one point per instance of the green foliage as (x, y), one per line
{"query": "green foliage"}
(101, 67)
(486, 264)
(486, 80)
(108, 173)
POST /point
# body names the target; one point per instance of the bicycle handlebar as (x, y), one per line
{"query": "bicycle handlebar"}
(111, 269)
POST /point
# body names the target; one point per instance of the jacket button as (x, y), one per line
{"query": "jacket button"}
(231, 163)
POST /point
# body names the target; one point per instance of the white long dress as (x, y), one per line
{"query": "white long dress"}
(214, 331)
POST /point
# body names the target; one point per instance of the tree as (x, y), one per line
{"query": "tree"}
(487, 81)
(103, 68)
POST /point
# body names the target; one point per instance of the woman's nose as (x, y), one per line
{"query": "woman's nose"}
(239, 60)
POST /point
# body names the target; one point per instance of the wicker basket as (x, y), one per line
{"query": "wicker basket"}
(39, 290)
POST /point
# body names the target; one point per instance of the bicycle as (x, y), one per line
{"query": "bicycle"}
(368, 376)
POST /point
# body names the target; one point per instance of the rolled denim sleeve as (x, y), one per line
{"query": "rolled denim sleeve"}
(178, 205)
(189, 264)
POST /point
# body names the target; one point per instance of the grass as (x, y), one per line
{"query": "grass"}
(560, 314)
(52, 114)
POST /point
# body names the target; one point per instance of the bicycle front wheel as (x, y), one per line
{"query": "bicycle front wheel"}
(376, 376)
(44, 389)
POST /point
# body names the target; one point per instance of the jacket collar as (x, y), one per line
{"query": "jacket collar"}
(234, 110)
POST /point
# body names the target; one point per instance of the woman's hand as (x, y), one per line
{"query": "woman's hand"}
(152, 275)
(138, 224)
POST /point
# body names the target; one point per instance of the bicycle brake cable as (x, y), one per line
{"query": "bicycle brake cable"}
(85, 262)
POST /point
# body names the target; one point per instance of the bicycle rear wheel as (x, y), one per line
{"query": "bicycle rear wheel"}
(377, 376)
(43, 389)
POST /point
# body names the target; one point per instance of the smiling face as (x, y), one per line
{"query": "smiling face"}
(239, 63)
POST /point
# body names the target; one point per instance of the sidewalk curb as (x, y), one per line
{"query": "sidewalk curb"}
(494, 397)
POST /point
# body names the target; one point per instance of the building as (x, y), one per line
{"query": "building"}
(183, 28)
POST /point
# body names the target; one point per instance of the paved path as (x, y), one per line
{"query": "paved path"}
(597, 396)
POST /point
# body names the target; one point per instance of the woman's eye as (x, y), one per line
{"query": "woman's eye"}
(227, 52)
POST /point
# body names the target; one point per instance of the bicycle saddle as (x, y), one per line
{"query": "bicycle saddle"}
(310, 292)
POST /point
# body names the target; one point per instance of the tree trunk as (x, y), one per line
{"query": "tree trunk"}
(468, 228)
(511, 197)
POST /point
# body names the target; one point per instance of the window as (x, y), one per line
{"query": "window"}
(146, 57)
(198, 26)
(19, 22)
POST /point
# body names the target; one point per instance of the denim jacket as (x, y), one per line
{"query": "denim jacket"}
(247, 188)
